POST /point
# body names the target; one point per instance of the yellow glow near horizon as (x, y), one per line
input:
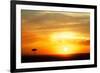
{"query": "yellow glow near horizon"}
(64, 49)
(62, 41)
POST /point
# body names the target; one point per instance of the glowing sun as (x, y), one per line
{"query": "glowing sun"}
(65, 49)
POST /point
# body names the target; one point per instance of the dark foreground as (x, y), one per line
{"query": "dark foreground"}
(45, 58)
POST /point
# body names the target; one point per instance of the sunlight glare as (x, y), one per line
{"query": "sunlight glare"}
(63, 36)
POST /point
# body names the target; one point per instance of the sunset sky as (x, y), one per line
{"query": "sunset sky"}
(55, 32)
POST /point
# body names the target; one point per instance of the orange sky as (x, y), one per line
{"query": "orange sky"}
(55, 32)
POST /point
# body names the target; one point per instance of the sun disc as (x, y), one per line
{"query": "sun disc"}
(65, 49)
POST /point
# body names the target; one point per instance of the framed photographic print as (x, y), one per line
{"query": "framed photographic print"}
(51, 36)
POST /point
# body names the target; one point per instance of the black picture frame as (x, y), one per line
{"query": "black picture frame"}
(13, 35)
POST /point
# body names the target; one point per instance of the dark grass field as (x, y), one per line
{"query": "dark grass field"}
(46, 58)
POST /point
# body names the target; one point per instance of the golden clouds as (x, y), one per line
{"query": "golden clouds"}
(49, 31)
